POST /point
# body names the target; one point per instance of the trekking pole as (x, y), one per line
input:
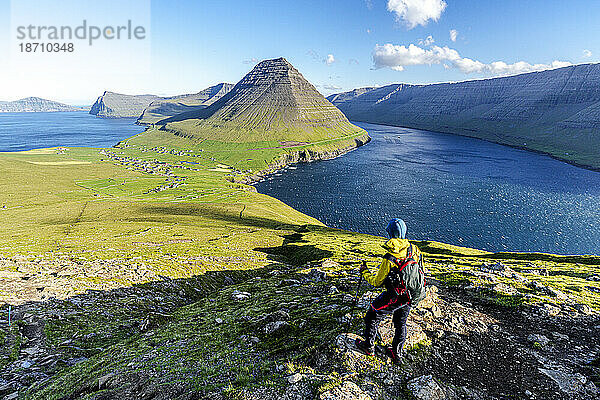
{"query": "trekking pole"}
(355, 300)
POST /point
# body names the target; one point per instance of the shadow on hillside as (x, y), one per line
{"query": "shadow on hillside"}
(156, 214)
(84, 325)
(295, 254)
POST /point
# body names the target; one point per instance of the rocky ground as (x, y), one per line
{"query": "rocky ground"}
(277, 332)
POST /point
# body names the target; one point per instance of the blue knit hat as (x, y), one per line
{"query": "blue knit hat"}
(396, 229)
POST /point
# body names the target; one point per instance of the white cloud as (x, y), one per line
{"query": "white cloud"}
(453, 34)
(328, 86)
(587, 53)
(398, 57)
(416, 12)
(314, 55)
(330, 59)
(427, 41)
(252, 60)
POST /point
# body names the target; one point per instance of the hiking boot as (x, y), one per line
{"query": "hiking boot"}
(392, 355)
(363, 347)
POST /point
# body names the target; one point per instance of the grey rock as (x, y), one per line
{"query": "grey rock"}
(329, 264)
(505, 289)
(294, 378)
(249, 340)
(567, 382)
(548, 310)
(593, 289)
(347, 391)
(540, 272)
(240, 296)
(496, 267)
(275, 327)
(32, 351)
(289, 282)
(556, 293)
(583, 308)
(279, 315)
(559, 336)
(104, 380)
(537, 338)
(317, 275)
(426, 388)
(297, 391)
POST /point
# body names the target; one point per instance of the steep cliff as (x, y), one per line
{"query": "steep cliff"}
(116, 105)
(346, 96)
(169, 107)
(34, 104)
(555, 112)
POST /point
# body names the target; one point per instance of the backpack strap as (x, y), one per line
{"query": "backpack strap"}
(401, 264)
(398, 286)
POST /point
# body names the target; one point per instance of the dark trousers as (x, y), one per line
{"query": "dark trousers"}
(386, 303)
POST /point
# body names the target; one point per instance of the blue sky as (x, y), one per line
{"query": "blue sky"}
(193, 44)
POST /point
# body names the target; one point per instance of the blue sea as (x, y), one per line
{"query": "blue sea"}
(26, 131)
(451, 189)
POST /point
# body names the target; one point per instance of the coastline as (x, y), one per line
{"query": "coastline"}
(571, 162)
(306, 155)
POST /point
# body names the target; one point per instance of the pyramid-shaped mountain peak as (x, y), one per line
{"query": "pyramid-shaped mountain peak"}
(272, 102)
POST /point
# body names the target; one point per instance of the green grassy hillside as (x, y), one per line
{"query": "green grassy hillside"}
(272, 103)
(171, 106)
(150, 270)
(145, 268)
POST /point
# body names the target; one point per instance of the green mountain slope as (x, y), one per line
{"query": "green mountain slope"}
(117, 105)
(168, 107)
(273, 102)
(556, 112)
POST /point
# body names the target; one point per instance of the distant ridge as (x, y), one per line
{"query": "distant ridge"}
(556, 111)
(346, 96)
(117, 105)
(272, 102)
(35, 104)
(171, 106)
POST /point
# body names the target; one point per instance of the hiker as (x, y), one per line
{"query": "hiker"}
(401, 274)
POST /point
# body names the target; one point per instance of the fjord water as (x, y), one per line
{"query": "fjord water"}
(26, 131)
(452, 189)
